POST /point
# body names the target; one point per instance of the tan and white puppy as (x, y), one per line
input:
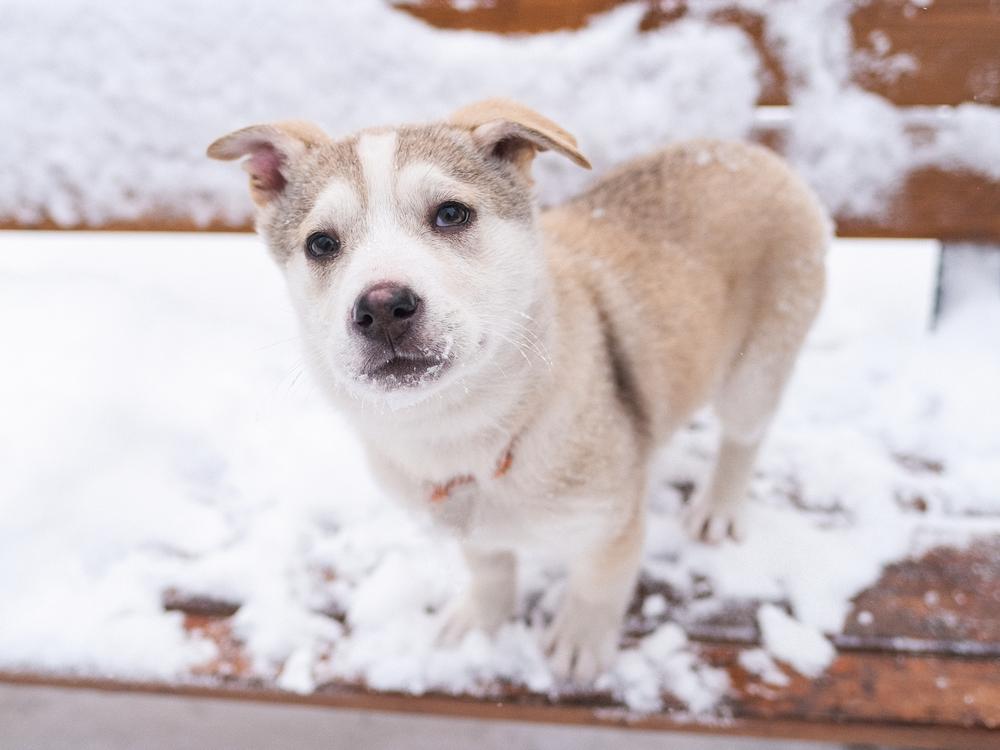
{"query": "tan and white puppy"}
(511, 370)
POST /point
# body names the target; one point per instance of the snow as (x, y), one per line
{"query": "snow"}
(116, 116)
(158, 435)
(654, 606)
(801, 647)
(137, 136)
(758, 662)
(662, 662)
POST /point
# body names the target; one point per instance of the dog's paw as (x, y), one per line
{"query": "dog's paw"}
(713, 522)
(466, 614)
(582, 640)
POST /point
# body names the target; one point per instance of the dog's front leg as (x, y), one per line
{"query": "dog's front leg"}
(489, 599)
(583, 638)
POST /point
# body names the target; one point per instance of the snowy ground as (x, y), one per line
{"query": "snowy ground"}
(158, 433)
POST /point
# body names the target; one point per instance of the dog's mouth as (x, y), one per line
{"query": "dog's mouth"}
(403, 370)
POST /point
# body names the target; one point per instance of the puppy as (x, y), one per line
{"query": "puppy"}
(511, 370)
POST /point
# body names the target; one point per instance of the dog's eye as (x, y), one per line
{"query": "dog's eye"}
(452, 214)
(322, 245)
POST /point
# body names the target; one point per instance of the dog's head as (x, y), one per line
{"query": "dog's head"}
(411, 253)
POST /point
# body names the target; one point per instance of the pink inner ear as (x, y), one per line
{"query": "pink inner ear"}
(264, 165)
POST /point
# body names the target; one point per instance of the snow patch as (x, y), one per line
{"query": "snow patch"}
(663, 663)
(151, 85)
(803, 648)
(758, 662)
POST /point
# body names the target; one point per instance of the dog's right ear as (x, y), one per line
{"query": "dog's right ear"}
(271, 148)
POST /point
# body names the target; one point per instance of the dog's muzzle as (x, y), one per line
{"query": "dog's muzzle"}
(388, 316)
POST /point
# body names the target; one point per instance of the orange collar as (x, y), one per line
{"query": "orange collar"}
(441, 492)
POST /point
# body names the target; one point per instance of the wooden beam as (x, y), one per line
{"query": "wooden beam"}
(580, 712)
(937, 204)
(932, 203)
(507, 16)
(166, 220)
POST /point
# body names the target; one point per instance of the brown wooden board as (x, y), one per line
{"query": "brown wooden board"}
(507, 16)
(950, 597)
(934, 203)
(931, 203)
(922, 671)
(954, 44)
(946, 603)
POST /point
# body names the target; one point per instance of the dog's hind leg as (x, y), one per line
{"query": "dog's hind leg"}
(749, 395)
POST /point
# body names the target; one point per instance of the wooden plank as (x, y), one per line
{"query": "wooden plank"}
(507, 16)
(945, 603)
(764, 715)
(871, 687)
(859, 688)
(953, 44)
(928, 202)
(932, 203)
(165, 220)
(948, 596)
(926, 657)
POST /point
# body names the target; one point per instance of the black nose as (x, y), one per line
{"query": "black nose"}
(386, 309)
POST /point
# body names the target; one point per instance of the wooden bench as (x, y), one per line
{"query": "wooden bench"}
(919, 675)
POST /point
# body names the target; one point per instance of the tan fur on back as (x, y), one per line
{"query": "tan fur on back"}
(685, 250)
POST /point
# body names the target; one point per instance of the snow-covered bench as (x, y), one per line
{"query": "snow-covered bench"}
(894, 118)
(929, 170)
(921, 674)
(925, 58)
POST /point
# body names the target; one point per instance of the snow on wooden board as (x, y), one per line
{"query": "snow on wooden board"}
(872, 693)
(160, 437)
(925, 659)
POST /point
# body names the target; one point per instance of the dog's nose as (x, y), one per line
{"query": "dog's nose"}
(386, 309)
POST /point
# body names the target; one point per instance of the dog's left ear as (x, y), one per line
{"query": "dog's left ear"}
(510, 131)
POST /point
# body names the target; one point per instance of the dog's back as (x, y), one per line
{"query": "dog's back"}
(703, 254)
